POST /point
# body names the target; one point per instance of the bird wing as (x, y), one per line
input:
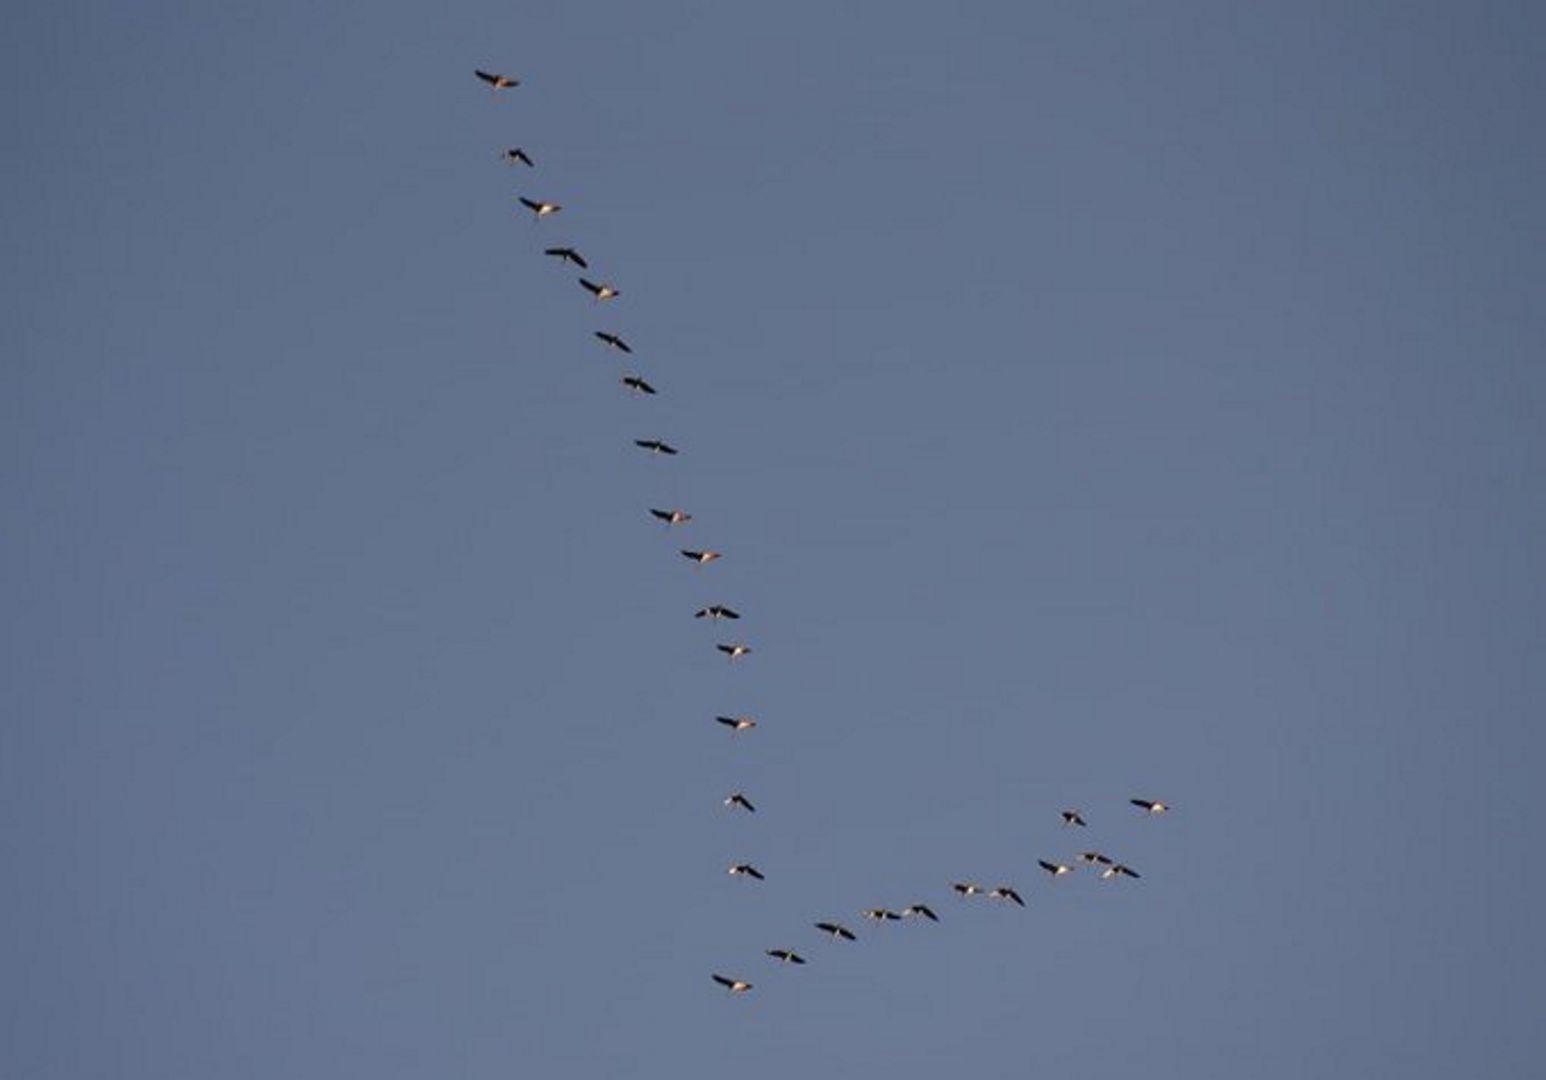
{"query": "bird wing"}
(723, 981)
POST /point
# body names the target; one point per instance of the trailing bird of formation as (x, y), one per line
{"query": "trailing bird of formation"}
(1104, 866)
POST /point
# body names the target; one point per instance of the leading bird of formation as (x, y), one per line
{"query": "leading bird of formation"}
(1104, 866)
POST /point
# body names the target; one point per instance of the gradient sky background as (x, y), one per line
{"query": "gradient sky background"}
(1092, 400)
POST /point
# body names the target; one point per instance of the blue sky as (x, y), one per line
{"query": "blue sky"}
(1090, 400)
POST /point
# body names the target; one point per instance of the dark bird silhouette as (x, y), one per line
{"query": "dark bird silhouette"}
(599, 291)
(1004, 892)
(786, 955)
(540, 209)
(613, 341)
(516, 154)
(737, 724)
(716, 611)
(735, 986)
(567, 254)
(702, 558)
(921, 909)
(737, 799)
(498, 82)
(746, 870)
(637, 385)
(967, 888)
(655, 446)
(1118, 870)
(837, 930)
(1150, 805)
(671, 517)
(1094, 858)
(1072, 817)
(735, 652)
(1057, 870)
(881, 915)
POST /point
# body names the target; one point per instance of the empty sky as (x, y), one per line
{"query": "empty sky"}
(1091, 400)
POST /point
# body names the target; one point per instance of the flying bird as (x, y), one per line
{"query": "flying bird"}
(613, 341)
(655, 446)
(1150, 805)
(516, 154)
(498, 82)
(880, 915)
(1004, 892)
(736, 651)
(601, 291)
(735, 986)
(701, 557)
(967, 888)
(637, 385)
(737, 724)
(671, 517)
(716, 611)
(786, 956)
(1118, 870)
(837, 930)
(540, 209)
(737, 799)
(1094, 857)
(921, 909)
(1057, 870)
(1072, 817)
(567, 254)
(747, 870)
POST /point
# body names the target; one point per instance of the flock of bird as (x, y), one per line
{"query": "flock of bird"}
(1107, 868)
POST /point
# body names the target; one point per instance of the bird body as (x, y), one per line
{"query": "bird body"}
(702, 558)
(737, 724)
(837, 930)
(516, 154)
(716, 611)
(735, 986)
(498, 82)
(612, 341)
(921, 909)
(567, 254)
(1057, 870)
(655, 446)
(671, 517)
(1072, 817)
(637, 385)
(787, 956)
(736, 799)
(540, 209)
(600, 290)
(1004, 892)
(1116, 870)
(735, 652)
(746, 870)
(1149, 805)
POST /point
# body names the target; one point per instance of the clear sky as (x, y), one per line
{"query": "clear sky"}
(1091, 400)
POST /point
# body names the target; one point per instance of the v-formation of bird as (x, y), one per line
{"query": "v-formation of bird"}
(601, 291)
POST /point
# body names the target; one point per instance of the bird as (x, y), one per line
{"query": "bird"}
(788, 956)
(735, 652)
(567, 254)
(837, 930)
(921, 909)
(1057, 870)
(516, 154)
(737, 799)
(1093, 857)
(880, 914)
(672, 517)
(967, 888)
(498, 82)
(1118, 870)
(540, 209)
(1149, 805)
(746, 870)
(716, 611)
(1072, 817)
(1004, 892)
(601, 291)
(735, 986)
(655, 446)
(613, 341)
(637, 385)
(701, 557)
(737, 724)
